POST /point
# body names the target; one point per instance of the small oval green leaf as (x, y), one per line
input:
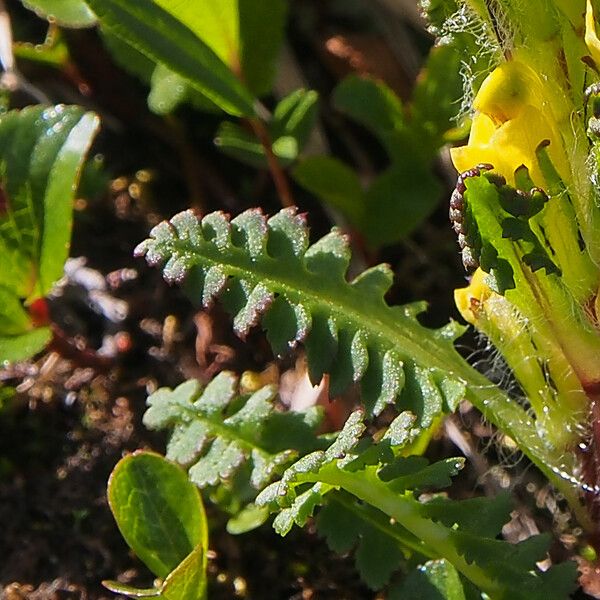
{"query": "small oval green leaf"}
(158, 511)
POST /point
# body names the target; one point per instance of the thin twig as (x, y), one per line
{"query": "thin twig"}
(279, 177)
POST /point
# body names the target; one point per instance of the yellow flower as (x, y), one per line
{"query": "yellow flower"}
(512, 118)
(591, 39)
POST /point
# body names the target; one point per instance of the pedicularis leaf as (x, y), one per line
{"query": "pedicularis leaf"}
(378, 475)
(41, 155)
(165, 40)
(215, 431)
(265, 271)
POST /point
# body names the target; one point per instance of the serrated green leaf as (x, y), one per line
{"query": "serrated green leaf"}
(422, 394)
(339, 527)
(158, 511)
(415, 473)
(213, 443)
(377, 557)
(67, 13)
(481, 516)
(390, 485)
(338, 311)
(400, 431)
(348, 437)
(219, 463)
(164, 39)
(347, 328)
(381, 544)
(298, 513)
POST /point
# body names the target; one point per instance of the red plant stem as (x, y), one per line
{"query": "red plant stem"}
(590, 457)
(279, 178)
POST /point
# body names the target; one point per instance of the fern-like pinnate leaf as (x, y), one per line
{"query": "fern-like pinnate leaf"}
(378, 476)
(265, 271)
(215, 431)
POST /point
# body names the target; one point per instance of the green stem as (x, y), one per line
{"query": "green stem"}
(556, 464)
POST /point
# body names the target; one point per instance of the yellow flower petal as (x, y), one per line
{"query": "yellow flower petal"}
(469, 298)
(511, 121)
(591, 39)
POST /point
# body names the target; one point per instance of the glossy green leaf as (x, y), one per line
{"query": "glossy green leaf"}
(60, 188)
(262, 25)
(14, 348)
(158, 511)
(68, 13)
(130, 590)
(128, 57)
(188, 580)
(164, 39)
(244, 34)
(42, 151)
